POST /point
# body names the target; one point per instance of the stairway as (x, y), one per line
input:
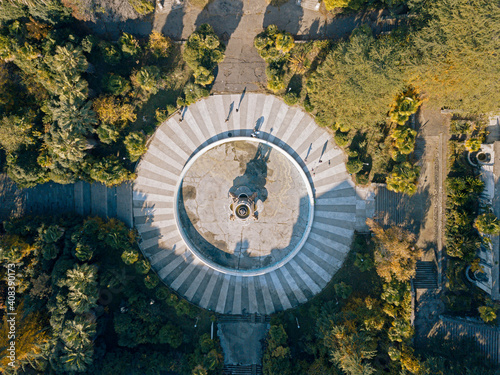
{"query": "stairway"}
(426, 276)
(250, 318)
(242, 370)
(82, 198)
(487, 337)
(336, 204)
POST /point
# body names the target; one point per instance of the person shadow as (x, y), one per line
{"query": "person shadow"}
(287, 17)
(223, 15)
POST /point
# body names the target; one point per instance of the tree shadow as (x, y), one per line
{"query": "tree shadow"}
(174, 24)
(287, 17)
(223, 15)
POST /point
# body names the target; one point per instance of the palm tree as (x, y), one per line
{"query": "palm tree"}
(78, 333)
(403, 178)
(68, 60)
(77, 360)
(488, 223)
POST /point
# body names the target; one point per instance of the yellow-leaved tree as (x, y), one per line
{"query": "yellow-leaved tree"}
(396, 254)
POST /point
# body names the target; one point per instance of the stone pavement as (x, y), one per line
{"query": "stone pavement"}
(242, 341)
(237, 22)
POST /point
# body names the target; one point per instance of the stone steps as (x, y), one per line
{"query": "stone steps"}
(426, 275)
(242, 370)
(204, 122)
(487, 337)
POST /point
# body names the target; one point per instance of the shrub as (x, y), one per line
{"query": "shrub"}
(158, 44)
(473, 144)
(115, 84)
(291, 98)
(341, 139)
(142, 266)
(487, 223)
(332, 4)
(354, 166)
(142, 6)
(404, 178)
(130, 256)
(277, 83)
(460, 127)
(307, 105)
(202, 53)
(362, 178)
(162, 293)
(129, 45)
(487, 313)
(151, 281)
(135, 144)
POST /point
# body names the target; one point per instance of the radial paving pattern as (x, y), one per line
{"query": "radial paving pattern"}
(338, 208)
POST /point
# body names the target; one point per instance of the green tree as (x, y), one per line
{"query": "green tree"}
(115, 84)
(487, 313)
(108, 171)
(158, 44)
(82, 284)
(129, 45)
(403, 178)
(146, 79)
(277, 358)
(202, 53)
(136, 145)
(351, 351)
(404, 140)
(16, 131)
(171, 335)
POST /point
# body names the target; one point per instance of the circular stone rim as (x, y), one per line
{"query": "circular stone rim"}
(231, 271)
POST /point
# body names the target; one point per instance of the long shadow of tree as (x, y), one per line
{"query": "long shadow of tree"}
(223, 15)
(174, 24)
(287, 17)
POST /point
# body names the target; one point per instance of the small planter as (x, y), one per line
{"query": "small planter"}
(483, 157)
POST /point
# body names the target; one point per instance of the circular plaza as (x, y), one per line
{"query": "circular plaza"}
(243, 205)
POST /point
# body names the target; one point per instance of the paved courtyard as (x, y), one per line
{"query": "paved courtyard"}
(282, 203)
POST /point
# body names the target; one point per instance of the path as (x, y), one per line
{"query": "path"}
(242, 339)
(237, 22)
(52, 199)
(423, 213)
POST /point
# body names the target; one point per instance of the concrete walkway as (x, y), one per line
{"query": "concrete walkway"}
(237, 22)
(81, 198)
